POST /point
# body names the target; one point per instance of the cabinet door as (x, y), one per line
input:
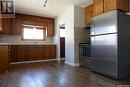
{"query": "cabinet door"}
(89, 18)
(88, 14)
(1, 27)
(3, 59)
(98, 7)
(123, 5)
(22, 53)
(13, 54)
(51, 52)
(32, 53)
(7, 25)
(110, 5)
(16, 26)
(50, 29)
(41, 53)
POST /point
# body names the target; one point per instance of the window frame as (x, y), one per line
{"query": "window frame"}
(31, 26)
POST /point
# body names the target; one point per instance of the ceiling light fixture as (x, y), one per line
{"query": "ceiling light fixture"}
(45, 3)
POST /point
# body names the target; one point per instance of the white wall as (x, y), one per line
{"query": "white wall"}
(81, 35)
(57, 38)
(68, 19)
(75, 33)
(79, 16)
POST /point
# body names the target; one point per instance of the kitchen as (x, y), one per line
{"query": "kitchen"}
(31, 41)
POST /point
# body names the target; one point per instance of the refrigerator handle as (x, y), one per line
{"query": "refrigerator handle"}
(92, 28)
(92, 46)
(92, 50)
(91, 22)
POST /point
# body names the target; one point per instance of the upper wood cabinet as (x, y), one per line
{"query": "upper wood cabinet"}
(16, 26)
(123, 5)
(1, 24)
(4, 60)
(27, 22)
(42, 24)
(109, 5)
(22, 19)
(50, 29)
(88, 14)
(98, 7)
(101, 6)
(5, 25)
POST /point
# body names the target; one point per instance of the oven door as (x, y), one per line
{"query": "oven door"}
(85, 51)
(85, 55)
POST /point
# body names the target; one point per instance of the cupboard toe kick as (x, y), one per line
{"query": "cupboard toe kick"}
(21, 53)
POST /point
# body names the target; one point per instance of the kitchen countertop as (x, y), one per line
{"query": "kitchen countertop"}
(26, 44)
(4, 43)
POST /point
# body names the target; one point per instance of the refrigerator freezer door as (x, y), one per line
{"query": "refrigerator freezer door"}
(104, 54)
(105, 23)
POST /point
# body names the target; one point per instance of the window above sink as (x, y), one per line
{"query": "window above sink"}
(33, 32)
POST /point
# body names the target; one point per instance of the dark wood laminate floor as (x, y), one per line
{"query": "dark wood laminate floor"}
(55, 74)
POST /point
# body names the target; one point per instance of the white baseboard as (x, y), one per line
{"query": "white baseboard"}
(61, 59)
(33, 61)
(72, 64)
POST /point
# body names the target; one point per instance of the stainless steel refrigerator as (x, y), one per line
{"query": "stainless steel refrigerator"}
(110, 39)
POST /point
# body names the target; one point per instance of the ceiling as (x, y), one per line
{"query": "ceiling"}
(54, 8)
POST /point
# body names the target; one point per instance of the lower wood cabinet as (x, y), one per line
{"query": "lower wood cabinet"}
(41, 52)
(32, 53)
(20, 53)
(13, 54)
(4, 60)
(50, 52)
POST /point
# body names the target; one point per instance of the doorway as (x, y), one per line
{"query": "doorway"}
(62, 41)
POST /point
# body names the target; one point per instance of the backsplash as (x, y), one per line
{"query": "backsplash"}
(81, 36)
(17, 39)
